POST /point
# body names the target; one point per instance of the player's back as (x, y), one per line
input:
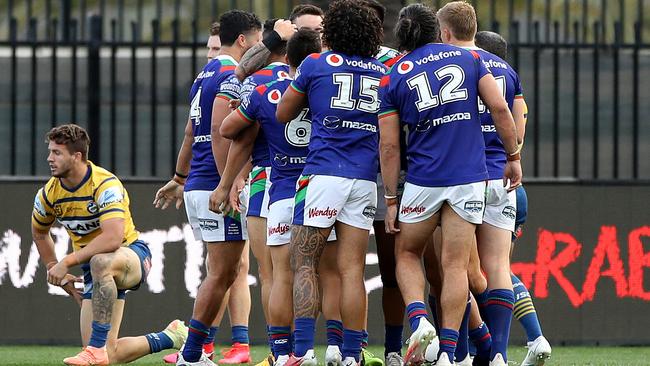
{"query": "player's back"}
(509, 84)
(343, 100)
(217, 79)
(273, 71)
(435, 90)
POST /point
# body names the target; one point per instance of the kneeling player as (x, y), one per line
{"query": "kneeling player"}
(93, 206)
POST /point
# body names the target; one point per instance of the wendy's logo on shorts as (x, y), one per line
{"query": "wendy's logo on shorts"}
(406, 210)
(281, 229)
(323, 212)
(474, 206)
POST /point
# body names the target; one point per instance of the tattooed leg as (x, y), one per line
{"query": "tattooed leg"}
(306, 247)
(104, 288)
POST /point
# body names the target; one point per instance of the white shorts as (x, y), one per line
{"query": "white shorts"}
(278, 223)
(259, 182)
(381, 201)
(321, 200)
(500, 206)
(209, 226)
(420, 203)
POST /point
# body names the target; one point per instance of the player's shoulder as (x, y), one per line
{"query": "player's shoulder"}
(50, 190)
(102, 177)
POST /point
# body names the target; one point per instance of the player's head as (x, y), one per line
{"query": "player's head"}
(67, 146)
(492, 42)
(457, 22)
(240, 29)
(377, 7)
(281, 49)
(303, 43)
(416, 26)
(214, 42)
(307, 16)
(352, 29)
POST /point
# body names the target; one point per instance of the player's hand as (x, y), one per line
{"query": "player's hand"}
(219, 200)
(512, 172)
(167, 194)
(234, 104)
(285, 28)
(57, 273)
(390, 220)
(235, 192)
(68, 285)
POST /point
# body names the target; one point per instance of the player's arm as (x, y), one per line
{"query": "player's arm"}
(220, 145)
(519, 112)
(292, 103)
(257, 56)
(173, 190)
(389, 158)
(44, 244)
(234, 124)
(505, 125)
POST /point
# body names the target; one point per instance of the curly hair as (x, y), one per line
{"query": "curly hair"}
(353, 29)
(416, 26)
(74, 137)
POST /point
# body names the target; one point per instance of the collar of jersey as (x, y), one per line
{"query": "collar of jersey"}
(83, 181)
(227, 57)
(277, 63)
(475, 48)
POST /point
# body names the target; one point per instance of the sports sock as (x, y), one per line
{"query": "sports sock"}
(364, 338)
(462, 348)
(281, 340)
(99, 334)
(482, 339)
(393, 338)
(239, 334)
(335, 333)
(269, 340)
(415, 311)
(196, 336)
(499, 315)
(211, 334)
(304, 335)
(434, 310)
(524, 310)
(159, 341)
(448, 340)
(481, 301)
(352, 344)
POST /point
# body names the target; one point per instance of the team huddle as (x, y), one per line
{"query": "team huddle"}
(303, 136)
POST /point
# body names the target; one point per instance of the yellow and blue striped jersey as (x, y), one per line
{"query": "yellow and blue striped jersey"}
(81, 209)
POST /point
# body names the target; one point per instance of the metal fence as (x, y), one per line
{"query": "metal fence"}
(124, 72)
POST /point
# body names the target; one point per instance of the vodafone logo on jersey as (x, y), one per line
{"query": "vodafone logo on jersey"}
(283, 75)
(405, 67)
(274, 96)
(334, 60)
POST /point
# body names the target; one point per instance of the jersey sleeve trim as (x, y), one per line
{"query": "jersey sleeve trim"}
(102, 183)
(225, 96)
(387, 113)
(47, 202)
(294, 87)
(243, 115)
(519, 96)
(42, 224)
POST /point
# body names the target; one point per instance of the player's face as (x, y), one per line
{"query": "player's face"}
(308, 21)
(214, 45)
(60, 159)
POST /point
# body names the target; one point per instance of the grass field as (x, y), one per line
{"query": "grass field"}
(42, 355)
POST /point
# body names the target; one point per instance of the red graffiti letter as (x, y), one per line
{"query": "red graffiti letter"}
(525, 272)
(547, 265)
(638, 260)
(607, 246)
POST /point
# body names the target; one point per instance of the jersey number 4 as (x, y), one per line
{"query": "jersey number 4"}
(195, 108)
(449, 92)
(369, 91)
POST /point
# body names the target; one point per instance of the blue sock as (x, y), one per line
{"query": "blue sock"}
(269, 340)
(159, 341)
(352, 343)
(292, 341)
(448, 340)
(335, 333)
(281, 340)
(239, 334)
(415, 311)
(499, 315)
(99, 334)
(462, 348)
(524, 310)
(482, 339)
(434, 310)
(196, 336)
(212, 333)
(481, 301)
(393, 338)
(364, 338)
(304, 335)
(472, 348)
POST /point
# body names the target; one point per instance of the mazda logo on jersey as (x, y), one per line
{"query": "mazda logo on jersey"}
(334, 60)
(274, 96)
(281, 160)
(332, 122)
(405, 67)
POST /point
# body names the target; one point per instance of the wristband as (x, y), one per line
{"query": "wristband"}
(388, 197)
(178, 180)
(272, 41)
(514, 157)
(180, 175)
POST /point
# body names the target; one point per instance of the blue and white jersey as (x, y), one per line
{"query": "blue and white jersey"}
(434, 89)
(343, 99)
(216, 80)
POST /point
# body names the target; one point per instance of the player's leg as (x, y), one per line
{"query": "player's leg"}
(433, 275)
(257, 227)
(330, 283)
(478, 285)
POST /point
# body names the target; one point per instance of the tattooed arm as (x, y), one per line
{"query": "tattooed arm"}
(256, 57)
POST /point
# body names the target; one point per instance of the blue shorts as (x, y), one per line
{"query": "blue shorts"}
(522, 212)
(142, 250)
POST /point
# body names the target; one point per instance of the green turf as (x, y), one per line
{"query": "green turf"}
(43, 355)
